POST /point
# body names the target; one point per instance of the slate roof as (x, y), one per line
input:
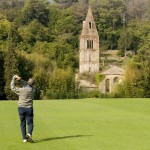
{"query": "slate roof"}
(114, 70)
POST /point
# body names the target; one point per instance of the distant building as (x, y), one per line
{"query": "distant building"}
(114, 75)
(89, 46)
(89, 60)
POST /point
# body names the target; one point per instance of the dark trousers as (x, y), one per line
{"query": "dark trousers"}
(26, 115)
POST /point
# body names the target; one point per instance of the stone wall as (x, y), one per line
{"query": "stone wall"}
(107, 85)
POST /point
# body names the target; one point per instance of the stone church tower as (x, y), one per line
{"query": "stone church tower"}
(89, 46)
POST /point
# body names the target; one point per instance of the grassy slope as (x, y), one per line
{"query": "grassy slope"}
(110, 124)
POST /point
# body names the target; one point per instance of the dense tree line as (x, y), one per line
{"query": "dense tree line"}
(40, 38)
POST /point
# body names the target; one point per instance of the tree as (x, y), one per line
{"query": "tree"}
(34, 32)
(25, 67)
(62, 84)
(136, 34)
(137, 78)
(63, 54)
(10, 64)
(137, 9)
(34, 9)
(11, 8)
(2, 83)
(66, 3)
(4, 29)
(108, 19)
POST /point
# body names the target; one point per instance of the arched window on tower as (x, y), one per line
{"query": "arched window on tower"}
(90, 25)
(89, 44)
(92, 44)
(89, 69)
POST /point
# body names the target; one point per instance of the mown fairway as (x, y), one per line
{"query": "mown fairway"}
(91, 124)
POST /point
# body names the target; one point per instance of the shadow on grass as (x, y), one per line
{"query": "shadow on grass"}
(60, 138)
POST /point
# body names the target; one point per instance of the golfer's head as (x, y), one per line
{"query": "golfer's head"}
(31, 81)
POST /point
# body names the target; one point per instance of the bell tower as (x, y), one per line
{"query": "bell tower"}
(89, 46)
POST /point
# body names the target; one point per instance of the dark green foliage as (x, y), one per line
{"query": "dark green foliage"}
(11, 64)
(64, 56)
(34, 9)
(34, 32)
(134, 34)
(25, 67)
(109, 21)
(11, 68)
(62, 84)
(91, 94)
(41, 83)
(137, 79)
(2, 81)
(3, 31)
(99, 78)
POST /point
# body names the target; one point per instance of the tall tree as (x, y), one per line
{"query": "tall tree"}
(62, 84)
(137, 9)
(66, 3)
(108, 19)
(1, 76)
(34, 9)
(10, 64)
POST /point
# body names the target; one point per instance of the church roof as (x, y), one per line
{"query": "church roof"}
(89, 16)
(114, 70)
(89, 27)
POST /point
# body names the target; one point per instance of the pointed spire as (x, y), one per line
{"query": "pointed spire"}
(89, 27)
(89, 16)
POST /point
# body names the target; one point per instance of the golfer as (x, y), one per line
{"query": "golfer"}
(25, 105)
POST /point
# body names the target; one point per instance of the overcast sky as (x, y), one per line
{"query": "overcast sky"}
(50, 0)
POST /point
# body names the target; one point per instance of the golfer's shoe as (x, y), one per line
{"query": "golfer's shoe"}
(24, 140)
(29, 138)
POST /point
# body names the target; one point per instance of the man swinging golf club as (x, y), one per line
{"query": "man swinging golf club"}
(25, 105)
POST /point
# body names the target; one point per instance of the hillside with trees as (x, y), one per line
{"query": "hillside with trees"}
(40, 39)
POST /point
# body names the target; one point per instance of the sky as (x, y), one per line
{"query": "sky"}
(50, 0)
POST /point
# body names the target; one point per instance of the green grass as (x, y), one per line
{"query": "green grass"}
(91, 124)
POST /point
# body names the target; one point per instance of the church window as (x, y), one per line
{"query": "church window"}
(89, 44)
(116, 80)
(89, 69)
(107, 85)
(90, 25)
(92, 44)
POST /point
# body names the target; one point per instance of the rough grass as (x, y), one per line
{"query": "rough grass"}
(91, 124)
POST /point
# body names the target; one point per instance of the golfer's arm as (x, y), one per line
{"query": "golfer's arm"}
(13, 87)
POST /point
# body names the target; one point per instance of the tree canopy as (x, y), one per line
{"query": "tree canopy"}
(40, 38)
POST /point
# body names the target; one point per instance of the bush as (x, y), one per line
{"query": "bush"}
(62, 84)
(91, 94)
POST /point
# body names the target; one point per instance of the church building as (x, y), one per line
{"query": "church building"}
(89, 60)
(89, 46)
